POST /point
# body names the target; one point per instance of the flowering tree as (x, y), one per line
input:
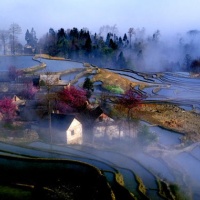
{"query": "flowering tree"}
(29, 91)
(14, 73)
(73, 98)
(130, 99)
(63, 108)
(7, 109)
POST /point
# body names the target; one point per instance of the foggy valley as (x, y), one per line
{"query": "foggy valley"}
(96, 110)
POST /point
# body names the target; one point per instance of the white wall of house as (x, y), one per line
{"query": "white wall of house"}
(50, 78)
(74, 133)
(109, 130)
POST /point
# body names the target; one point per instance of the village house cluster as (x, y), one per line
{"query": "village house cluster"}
(54, 126)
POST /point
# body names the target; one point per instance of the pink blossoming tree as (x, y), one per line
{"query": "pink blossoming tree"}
(29, 91)
(72, 98)
(7, 109)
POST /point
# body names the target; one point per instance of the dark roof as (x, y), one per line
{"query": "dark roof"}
(95, 113)
(58, 121)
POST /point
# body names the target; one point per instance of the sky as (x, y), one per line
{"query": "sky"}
(168, 16)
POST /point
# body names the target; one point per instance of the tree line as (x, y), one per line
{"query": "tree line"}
(134, 49)
(81, 45)
(9, 39)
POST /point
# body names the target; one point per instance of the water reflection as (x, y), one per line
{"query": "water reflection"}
(178, 88)
(17, 61)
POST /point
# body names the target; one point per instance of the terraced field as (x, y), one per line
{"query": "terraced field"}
(120, 170)
(167, 169)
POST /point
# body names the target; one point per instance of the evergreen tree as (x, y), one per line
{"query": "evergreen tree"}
(74, 33)
(51, 39)
(62, 43)
(108, 38)
(113, 45)
(121, 62)
(27, 36)
(31, 38)
(125, 39)
(88, 86)
(120, 42)
(88, 45)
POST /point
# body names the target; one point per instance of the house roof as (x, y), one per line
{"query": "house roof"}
(95, 113)
(104, 118)
(58, 121)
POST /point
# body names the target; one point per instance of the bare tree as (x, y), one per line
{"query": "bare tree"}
(131, 31)
(14, 30)
(49, 80)
(4, 35)
(156, 36)
(104, 30)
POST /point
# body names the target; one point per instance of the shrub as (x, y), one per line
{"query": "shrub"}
(114, 89)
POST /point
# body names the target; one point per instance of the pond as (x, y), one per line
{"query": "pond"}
(17, 61)
(60, 65)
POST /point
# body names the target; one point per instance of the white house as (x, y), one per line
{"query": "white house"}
(106, 127)
(65, 129)
(74, 132)
(50, 79)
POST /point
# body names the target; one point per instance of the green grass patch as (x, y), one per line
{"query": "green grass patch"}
(11, 192)
(114, 89)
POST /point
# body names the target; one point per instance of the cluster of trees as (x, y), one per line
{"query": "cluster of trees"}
(134, 49)
(70, 99)
(83, 46)
(9, 39)
(31, 38)
(8, 106)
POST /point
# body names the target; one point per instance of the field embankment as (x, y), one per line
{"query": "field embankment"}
(166, 115)
(46, 56)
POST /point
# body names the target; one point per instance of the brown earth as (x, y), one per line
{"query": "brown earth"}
(111, 78)
(46, 56)
(168, 116)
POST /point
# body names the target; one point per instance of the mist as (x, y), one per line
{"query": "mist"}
(74, 40)
(146, 151)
